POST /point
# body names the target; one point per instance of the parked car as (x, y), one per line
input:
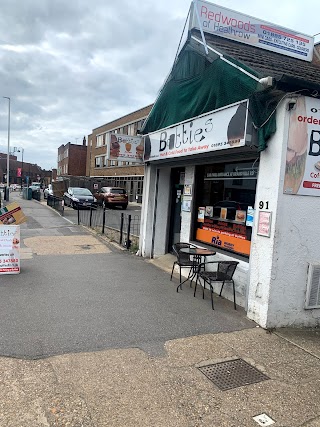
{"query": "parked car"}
(48, 191)
(77, 197)
(14, 187)
(112, 196)
(35, 186)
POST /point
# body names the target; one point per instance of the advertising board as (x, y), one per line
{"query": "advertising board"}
(217, 130)
(9, 249)
(232, 25)
(12, 215)
(302, 172)
(125, 148)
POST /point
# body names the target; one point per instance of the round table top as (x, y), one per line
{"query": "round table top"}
(197, 251)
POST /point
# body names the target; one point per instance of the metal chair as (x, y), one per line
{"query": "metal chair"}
(224, 273)
(184, 260)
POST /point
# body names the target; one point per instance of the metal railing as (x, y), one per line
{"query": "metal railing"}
(123, 228)
(56, 203)
(36, 194)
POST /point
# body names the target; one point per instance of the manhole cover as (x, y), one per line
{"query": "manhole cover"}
(232, 374)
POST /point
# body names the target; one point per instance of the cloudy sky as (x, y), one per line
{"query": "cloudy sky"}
(72, 65)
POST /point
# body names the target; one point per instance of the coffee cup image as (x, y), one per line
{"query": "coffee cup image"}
(114, 147)
(296, 149)
(236, 127)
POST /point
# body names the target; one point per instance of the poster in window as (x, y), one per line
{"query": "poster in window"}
(209, 211)
(241, 216)
(223, 213)
(201, 212)
(186, 204)
(250, 216)
(187, 190)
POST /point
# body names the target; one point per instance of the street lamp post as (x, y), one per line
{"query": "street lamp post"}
(8, 153)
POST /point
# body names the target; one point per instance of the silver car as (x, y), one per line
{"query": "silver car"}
(48, 191)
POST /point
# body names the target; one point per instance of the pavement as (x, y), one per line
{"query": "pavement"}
(147, 368)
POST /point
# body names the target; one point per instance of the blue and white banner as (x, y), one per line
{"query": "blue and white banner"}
(233, 25)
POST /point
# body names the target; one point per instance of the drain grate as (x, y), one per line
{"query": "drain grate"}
(232, 374)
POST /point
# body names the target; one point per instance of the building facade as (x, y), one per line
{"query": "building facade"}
(22, 172)
(72, 159)
(111, 172)
(231, 152)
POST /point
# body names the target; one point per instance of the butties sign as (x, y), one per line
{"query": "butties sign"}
(218, 130)
(233, 25)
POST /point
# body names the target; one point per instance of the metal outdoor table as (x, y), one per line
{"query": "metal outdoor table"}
(197, 254)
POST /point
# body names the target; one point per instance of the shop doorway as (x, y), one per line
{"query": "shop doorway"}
(177, 185)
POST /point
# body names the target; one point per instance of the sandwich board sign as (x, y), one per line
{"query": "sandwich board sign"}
(9, 249)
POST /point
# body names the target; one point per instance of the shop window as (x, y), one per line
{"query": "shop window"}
(225, 200)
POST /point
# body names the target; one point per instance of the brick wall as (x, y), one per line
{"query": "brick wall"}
(77, 160)
(118, 171)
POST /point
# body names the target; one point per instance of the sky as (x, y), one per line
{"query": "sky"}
(70, 66)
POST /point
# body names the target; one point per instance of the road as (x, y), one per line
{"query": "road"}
(133, 209)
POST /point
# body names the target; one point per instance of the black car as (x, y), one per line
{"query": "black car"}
(77, 197)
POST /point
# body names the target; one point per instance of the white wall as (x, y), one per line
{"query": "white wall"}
(147, 211)
(278, 265)
(155, 211)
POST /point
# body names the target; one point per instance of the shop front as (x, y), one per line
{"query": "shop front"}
(231, 163)
(202, 176)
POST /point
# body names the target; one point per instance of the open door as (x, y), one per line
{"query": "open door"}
(177, 184)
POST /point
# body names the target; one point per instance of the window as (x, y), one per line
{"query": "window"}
(98, 162)
(100, 140)
(225, 197)
(131, 129)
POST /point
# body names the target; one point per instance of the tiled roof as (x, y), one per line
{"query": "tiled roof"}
(265, 62)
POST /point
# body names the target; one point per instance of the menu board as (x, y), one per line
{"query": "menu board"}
(9, 249)
(12, 215)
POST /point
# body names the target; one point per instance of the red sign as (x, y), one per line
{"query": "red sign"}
(18, 171)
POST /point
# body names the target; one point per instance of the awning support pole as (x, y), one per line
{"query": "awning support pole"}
(227, 61)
